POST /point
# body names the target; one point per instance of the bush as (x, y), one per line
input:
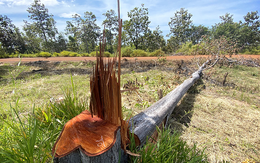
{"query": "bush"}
(55, 54)
(198, 49)
(84, 55)
(186, 48)
(253, 50)
(127, 51)
(107, 54)
(157, 53)
(93, 54)
(64, 53)
(43, 54)
(139, 53)
(73, 54)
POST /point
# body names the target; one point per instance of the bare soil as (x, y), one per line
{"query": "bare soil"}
(76, 59)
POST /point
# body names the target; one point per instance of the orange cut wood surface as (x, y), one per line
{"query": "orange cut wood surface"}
(93, 136)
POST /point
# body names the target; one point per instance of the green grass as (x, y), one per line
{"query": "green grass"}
(30, 123)
(169, 148)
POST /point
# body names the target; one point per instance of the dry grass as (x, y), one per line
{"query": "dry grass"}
(218, 119)
(223, 119)
(229, 129)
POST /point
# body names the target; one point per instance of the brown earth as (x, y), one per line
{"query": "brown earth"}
(74, 59)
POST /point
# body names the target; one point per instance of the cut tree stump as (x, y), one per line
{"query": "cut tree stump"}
(114, 154)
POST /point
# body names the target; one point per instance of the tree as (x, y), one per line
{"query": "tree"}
(250, 28)
(155, 39)
(10, 37)
(111, 24)
(227, 27)
(180, 27)
(43, 22)
(197, 32)
(137, 26)
(90, 32)
(31, 39)
(83, 33)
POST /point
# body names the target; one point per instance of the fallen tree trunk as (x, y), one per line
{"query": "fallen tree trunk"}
(144, 124)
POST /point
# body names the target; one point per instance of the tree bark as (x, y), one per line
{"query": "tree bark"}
(144, 124)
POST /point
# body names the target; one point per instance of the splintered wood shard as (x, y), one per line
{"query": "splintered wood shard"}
(96, 132)
(105, 99)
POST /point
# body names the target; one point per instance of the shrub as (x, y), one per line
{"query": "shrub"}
(139, 53)
(55, 54)
(73, 54)
(157, 53)
(107, 54)
(93, 54)
(84, 55)
(198, 49)
(127, 51)
(186, 48)
(43, 54)
(65, 53)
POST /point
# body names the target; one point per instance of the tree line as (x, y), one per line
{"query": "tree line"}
(82, 33)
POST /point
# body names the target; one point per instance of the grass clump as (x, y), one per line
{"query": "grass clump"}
(31, 136)
(170, 148)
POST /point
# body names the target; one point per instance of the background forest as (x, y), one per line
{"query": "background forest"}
(40, 37)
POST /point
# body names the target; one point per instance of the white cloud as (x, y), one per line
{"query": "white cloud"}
(68, 15)
(50, 2)
(11, 3)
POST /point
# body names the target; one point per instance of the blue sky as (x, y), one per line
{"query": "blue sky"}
(205, 12)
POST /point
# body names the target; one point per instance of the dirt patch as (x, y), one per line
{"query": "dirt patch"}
(77, 59)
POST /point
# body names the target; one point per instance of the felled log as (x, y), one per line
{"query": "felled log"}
(144, 124)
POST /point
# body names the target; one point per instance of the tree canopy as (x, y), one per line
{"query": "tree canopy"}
(82, 33)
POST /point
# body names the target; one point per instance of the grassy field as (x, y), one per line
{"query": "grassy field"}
(221, 117)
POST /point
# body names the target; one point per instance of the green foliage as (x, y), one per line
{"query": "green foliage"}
(127, 51)
(10, 37)
(107, 54)
(137, 25)
(84, 55)
(157, 53)
(42, 25)
(180, 26)
(154, 40)
(28, 142)
(251, 50)
(44, 54)
(170, 148)
(93, 54)
(29, 138)
(65, 53)
(139, 53)
(73, 54)
(186, 48)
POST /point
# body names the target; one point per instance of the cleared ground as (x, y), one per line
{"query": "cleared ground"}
(223, 117)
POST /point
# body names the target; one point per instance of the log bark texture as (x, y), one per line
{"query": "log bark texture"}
(144, 124)
(114, 154)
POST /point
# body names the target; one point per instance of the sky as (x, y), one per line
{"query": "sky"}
(205, 12)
